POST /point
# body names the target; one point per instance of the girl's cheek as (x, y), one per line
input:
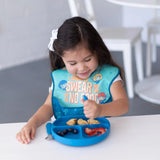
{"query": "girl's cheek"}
(71, 70)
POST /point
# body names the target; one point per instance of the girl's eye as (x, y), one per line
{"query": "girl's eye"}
(72, 64)
(87, 60)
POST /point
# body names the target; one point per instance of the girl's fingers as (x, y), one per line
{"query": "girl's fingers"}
(88, 114)
(26, 134)
(85, 108)
(33, 132)
(18, 136)
(82, 101)
(24, 137)
(28, 137)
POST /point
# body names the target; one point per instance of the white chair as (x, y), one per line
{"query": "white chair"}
(116, 39)
(153, 28)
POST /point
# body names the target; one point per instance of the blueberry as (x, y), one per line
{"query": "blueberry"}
(75, 131)
(70, 129)
(65, 131)
(60, 133)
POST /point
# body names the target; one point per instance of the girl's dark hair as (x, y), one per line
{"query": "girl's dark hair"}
(75, 31)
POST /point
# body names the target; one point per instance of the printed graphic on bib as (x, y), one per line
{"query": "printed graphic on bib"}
(75, 88)
(101, 97)
(63, 84)
(97, 78)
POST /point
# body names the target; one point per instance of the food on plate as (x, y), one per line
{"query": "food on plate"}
(65, 131)
(81, 122)
(60, 133)
(75, 131)
(92, 121)
(71, 121)
(70, 129)
(95, 131)
(88, 130)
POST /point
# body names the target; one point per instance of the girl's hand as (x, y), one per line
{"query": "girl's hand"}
(91, 109)
(26, 134)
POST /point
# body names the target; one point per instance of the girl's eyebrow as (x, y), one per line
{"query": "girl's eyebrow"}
(71, 61)
(89, 56)
(83, 58)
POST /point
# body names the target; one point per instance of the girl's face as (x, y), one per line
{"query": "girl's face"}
(80, 62)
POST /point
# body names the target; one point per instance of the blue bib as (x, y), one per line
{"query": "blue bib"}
(68, 90)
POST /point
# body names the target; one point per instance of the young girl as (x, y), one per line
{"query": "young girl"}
(81, 65)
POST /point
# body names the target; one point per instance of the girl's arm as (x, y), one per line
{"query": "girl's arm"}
(117, 107)
(43, 114)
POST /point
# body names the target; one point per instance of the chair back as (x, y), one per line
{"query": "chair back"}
(83, 8)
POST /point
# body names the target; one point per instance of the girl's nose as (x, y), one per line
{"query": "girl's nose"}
(81, 67)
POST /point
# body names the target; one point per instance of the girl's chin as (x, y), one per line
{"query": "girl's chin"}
(83, 76)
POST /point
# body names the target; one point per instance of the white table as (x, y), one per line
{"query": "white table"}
(149, 88)
(131, 138)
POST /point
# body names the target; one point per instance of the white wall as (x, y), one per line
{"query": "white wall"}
(25, 26)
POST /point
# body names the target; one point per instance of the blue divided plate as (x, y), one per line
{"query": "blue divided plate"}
(81, 138)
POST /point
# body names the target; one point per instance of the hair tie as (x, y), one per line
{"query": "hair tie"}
(54, 36)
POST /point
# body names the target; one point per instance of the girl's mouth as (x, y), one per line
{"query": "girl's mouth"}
(84, 74)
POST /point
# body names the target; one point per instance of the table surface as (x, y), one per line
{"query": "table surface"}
(138, 3)
(133, 137)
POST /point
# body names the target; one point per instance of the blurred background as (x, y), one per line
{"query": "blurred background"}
(25, 30)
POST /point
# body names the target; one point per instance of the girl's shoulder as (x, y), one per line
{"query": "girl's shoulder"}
(107, 68)
(109, 72)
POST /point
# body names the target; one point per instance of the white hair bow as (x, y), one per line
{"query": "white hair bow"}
(54, 36)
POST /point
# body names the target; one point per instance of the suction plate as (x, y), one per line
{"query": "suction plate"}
(80, 138)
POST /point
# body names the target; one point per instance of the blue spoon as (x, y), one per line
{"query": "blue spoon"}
(85, 98)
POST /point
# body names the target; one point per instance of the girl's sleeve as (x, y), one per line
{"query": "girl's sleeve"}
(51, 87)
(118, 78)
